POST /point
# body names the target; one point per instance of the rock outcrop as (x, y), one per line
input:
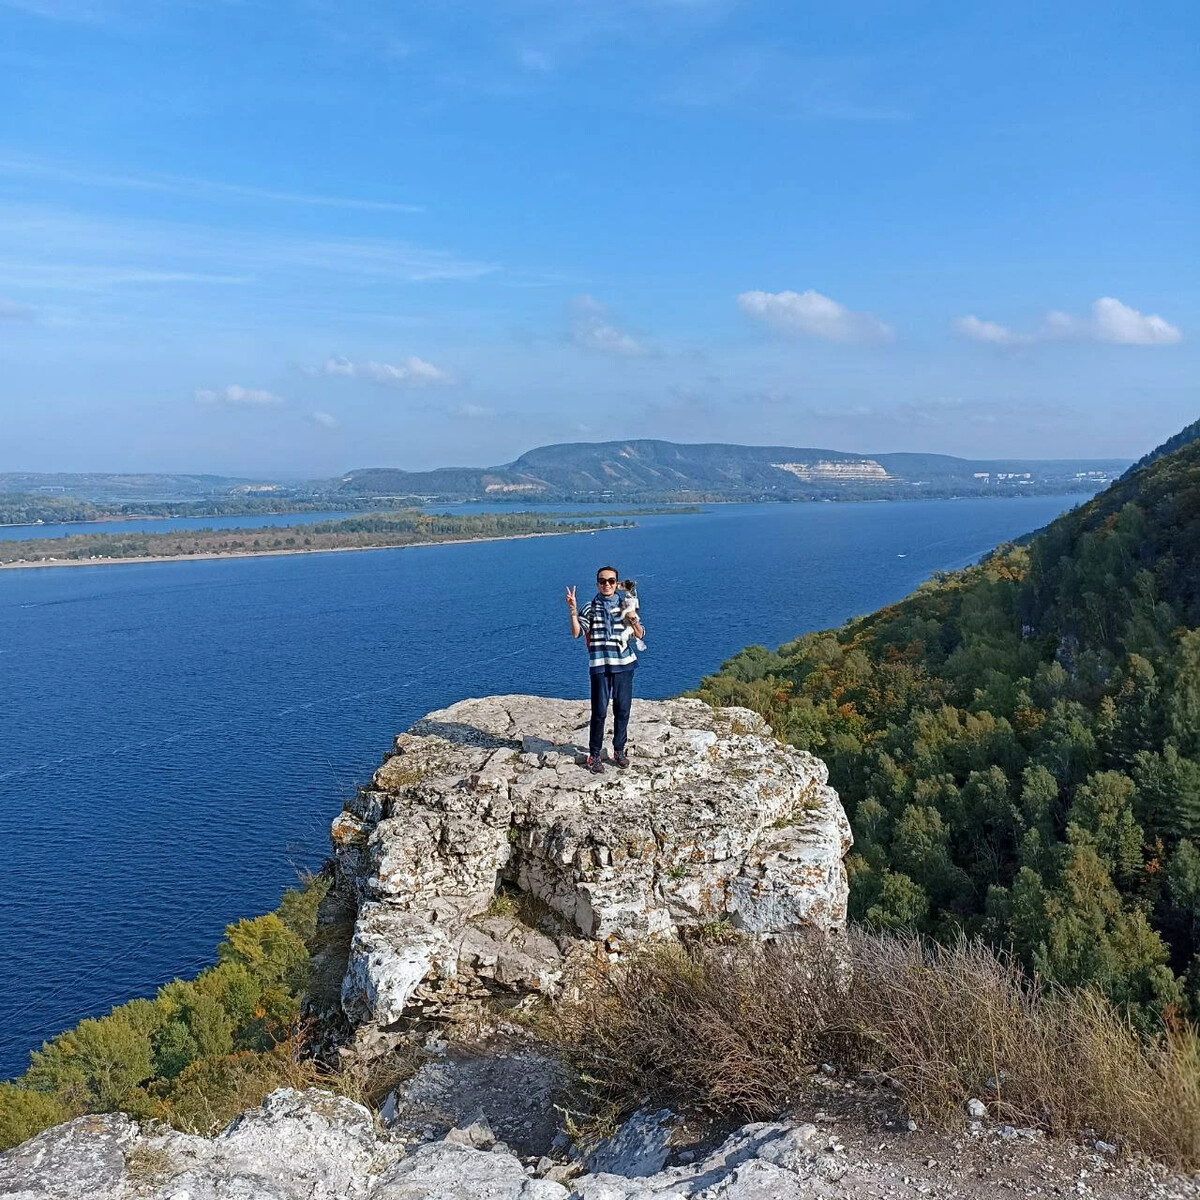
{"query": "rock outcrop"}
(483, 816)
(314, 1146)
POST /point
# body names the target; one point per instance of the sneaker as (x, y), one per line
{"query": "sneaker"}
(595, 765)
(621, 759)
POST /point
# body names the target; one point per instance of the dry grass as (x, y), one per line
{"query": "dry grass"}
(371, 1082)
(952, 1022)
(726, 1028)
(735, 1030)
(147, 1165)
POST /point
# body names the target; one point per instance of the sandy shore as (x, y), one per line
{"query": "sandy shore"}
(174, 558)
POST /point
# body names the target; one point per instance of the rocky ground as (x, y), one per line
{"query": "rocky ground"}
(314, 1146)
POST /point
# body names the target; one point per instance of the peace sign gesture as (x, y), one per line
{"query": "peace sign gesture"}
(571, 598)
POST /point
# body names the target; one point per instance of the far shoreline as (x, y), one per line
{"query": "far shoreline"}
(212, 557)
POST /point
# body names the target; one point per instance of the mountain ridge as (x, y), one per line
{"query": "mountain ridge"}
(648, 468)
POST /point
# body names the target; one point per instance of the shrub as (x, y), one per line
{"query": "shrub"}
(24, 1113)
(267, 948)
(209, 1093)
(156, 1057)
(735, 1030)
(94, 1066)
(949, 1022)
(726, 1027)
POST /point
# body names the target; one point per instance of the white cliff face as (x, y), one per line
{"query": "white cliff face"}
(714, 821)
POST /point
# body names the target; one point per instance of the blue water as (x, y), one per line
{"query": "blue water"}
(175, 738)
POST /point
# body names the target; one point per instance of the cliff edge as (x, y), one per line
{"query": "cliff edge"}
(483, 815)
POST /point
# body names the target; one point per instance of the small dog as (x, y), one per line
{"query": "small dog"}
(629, 587)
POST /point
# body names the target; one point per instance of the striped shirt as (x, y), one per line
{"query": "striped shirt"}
(604, 653)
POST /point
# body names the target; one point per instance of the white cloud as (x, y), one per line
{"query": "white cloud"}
(987, 331)
(1115, 322)
(325, 420)
(1110, 321)
(809, 314)
(592, 329)
(411, 372)
(236, 394)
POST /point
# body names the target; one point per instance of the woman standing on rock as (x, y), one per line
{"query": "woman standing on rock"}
(610, 662)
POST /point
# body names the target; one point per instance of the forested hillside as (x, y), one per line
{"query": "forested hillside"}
(1018, 744)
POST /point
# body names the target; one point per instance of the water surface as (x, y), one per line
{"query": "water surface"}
(176, 737)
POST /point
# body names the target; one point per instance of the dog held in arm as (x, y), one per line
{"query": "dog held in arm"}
(629, 609)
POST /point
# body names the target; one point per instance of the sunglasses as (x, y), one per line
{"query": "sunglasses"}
(603, 582)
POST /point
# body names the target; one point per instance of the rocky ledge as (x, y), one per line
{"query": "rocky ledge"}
(314, 1146)
(483, 859)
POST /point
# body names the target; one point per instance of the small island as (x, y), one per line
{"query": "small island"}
(370, 531)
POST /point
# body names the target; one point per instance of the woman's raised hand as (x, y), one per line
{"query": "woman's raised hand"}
(571, 598)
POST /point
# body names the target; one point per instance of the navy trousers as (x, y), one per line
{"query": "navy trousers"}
(617, 686)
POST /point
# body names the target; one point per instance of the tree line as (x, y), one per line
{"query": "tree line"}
(368, 530)
(1018, 744)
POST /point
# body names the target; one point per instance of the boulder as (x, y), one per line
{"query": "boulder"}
(714, 822)
(310, 1145)
(639, 1148)
(299, 1145)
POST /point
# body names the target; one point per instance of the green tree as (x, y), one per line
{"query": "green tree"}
(1103, 812)
(901, 903)
(24, 1112)
(1183, 706)
(99, 1062)
(1168, 792)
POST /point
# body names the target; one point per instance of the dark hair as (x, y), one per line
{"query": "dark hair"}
(612, 569)
(630, 585)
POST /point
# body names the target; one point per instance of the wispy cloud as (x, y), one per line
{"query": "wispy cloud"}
(236, 395)
(1110, 321)
(81, 277)
(325, 420)
(987, 331)
(592, 328)
(51, 249)
(411, 372)
(810, 314)
(183, 185)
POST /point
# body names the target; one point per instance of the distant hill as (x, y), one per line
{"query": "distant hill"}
(645, 469)
(641, 470)
(1018, 744)
(118, 487)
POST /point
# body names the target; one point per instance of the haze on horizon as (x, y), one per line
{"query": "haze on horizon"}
(292, 237)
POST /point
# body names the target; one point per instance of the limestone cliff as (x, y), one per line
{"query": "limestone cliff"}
(714, 821)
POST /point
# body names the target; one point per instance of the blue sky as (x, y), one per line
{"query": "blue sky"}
(265, 237)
